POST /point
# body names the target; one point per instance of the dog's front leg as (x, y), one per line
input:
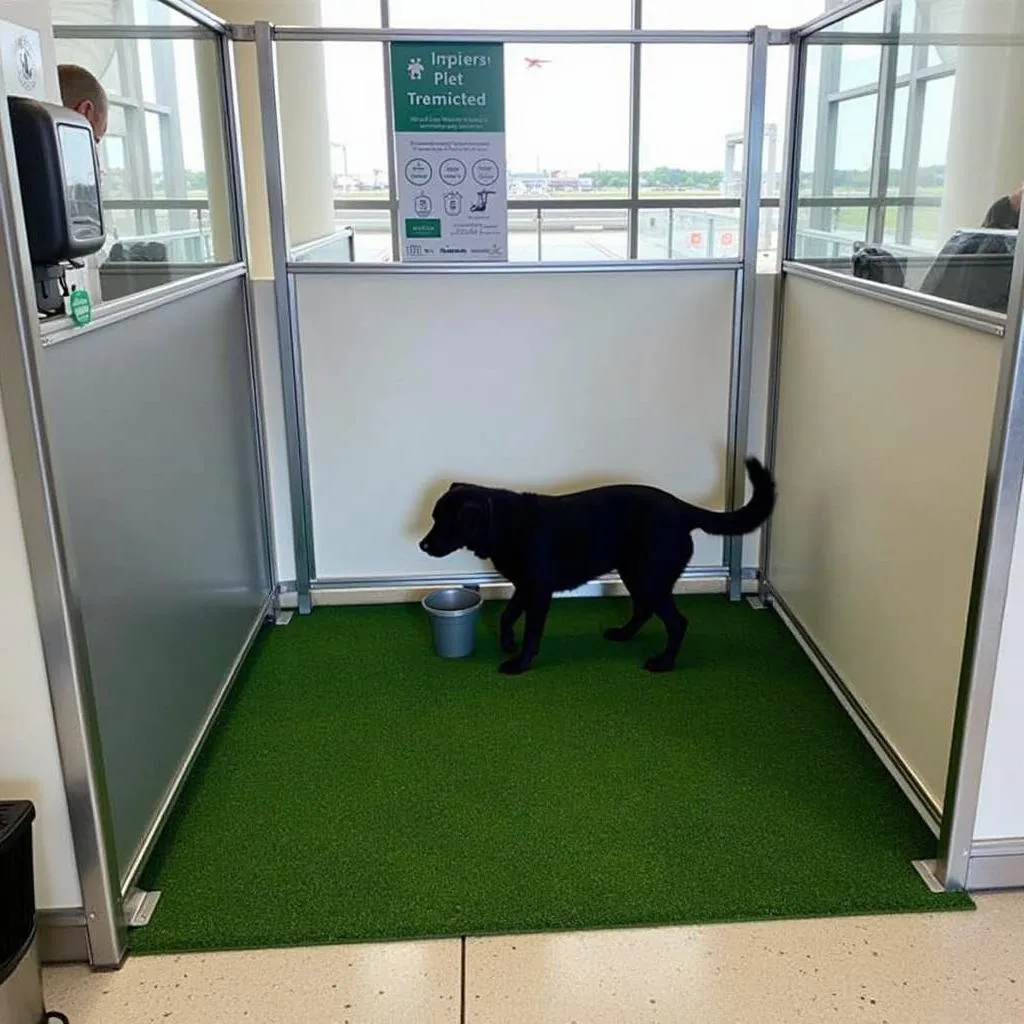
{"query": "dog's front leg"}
(536, 606)
(509, 617)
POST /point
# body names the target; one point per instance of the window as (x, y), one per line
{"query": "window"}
(526, 14)
(730, 14)
(932, 111)
(567, 120)
(165, 192)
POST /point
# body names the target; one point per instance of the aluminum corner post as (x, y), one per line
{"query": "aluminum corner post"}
(788, 195)
(743, 326)
(998, 525)
(287, 328)
(60, 627)
(236, 186)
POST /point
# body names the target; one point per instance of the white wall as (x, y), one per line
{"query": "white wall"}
(535, 381)
(271, 380)
(1001, 802)
(885, 419)
(29, 762)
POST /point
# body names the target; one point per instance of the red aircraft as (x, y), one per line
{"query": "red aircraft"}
(535, 62)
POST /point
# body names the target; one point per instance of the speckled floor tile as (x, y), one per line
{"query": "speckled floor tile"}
(400, 983)
(935, 969)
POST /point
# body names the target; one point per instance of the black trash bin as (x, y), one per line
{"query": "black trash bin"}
(21, 990)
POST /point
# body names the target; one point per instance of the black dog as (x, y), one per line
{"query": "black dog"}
(544, 545)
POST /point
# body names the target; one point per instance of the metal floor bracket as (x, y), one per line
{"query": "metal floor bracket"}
(283, 617)
(926, 869)
(756, 603)
(139, 906)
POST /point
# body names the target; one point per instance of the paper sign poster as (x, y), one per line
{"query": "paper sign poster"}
(449, 123)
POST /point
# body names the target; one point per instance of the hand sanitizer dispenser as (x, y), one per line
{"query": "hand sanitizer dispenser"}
(60, 193)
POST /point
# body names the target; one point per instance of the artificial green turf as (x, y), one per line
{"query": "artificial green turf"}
(359, 788)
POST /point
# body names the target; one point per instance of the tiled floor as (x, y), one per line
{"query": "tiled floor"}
(951, 968)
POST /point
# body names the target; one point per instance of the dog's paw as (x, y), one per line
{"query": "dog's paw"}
(618, 635)
(512, 667)
(508, 644)
(659, 663)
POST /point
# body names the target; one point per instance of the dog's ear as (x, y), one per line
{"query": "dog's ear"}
(474, 519)
(459, 487)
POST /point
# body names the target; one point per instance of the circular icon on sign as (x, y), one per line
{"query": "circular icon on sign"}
(452, 171)
(418, 172)
(727, 238)
(696, 239)
(485, 172)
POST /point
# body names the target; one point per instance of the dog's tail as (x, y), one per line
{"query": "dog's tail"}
(750, 516)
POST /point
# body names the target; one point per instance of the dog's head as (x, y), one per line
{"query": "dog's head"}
(462, 519)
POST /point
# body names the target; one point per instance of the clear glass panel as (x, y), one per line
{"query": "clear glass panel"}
(686, 234)
(829, 233)
(567, 119)
(855, 137)
(371, 230)
(338, 149)
(524, 14)
(728, 15)
(776, 119)
(109, 12)
(950, 225)
(164, 135)
(858, 66)
(579, 236)
(523, 236)
(936, 121)
(155, 152)
(339, 13)
(898, 143)
(152, 12)
(147, 75)
(687, 150)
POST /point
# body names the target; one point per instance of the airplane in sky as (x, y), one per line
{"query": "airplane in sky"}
(536, 62)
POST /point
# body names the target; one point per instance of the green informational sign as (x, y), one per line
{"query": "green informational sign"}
(449, 124)
(80, 307)
(448, 87)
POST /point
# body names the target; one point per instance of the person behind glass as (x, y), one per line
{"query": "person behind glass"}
(81, 91)
(1004, 214)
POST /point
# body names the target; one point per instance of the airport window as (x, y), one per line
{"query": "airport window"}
(524, 14)
(729, 14)
(164, 182)
(891, 186)
(568, 132)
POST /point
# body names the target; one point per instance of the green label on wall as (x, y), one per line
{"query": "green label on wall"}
(448, 87)
(80, 307)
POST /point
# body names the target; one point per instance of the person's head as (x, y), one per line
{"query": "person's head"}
(80, 90)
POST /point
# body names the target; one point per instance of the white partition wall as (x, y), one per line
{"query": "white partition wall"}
(883, 433)
(543, 381)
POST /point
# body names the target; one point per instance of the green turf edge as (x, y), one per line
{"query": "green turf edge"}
(938, 903)
(953, 902)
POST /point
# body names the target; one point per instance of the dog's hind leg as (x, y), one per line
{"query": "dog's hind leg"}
(675, 625)
(509, 617)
